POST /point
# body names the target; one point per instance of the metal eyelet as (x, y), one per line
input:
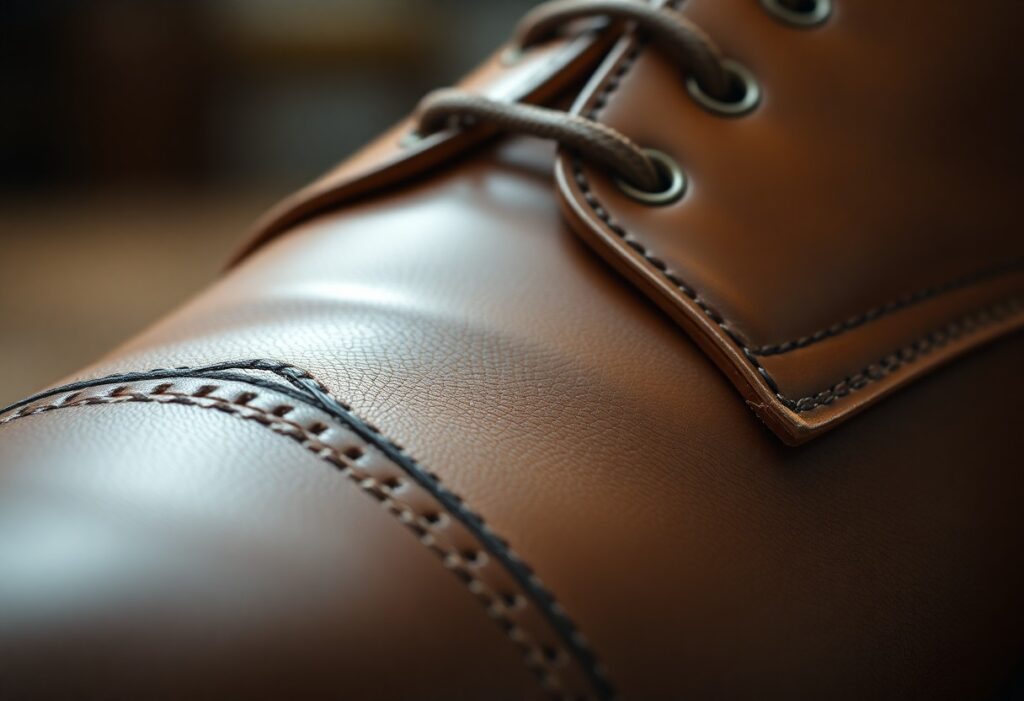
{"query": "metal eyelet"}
(742, 78)
(809, 13)
(674, 176)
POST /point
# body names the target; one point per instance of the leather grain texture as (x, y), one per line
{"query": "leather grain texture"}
(164, 551)
(680, 536)
(480, 395)
(293, 404)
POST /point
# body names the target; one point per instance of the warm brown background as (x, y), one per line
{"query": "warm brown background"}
(139, 138)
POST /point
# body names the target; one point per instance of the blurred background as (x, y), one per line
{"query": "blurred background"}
(139, 139)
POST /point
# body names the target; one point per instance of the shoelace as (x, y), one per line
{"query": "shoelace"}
(718, 82)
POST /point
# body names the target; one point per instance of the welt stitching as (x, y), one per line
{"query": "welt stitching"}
(534, 655)
(841, 389)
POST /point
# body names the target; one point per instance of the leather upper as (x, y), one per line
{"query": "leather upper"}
(828, 274)
(204, 558)
(481, 462)
(856, 229)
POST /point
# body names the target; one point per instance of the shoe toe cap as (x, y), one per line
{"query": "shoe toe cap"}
(154, 550)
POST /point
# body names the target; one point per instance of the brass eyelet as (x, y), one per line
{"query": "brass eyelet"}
(811, 13)
(741, 76)
(673, 174)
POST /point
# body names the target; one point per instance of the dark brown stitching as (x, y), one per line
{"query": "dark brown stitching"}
(908, 354)
(889, 307)
(840, 389)
(540, 658)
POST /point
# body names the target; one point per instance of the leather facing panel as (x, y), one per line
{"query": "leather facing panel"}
(811, 277)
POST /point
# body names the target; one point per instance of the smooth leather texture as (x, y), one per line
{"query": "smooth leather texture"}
(291, 403)
(696, 556)
(696, 553)
(855, 230)
(826, 277)
(168, 552)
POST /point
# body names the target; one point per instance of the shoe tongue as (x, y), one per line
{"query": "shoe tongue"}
(851, 233)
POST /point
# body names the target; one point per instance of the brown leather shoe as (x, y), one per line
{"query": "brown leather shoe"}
(721, 400)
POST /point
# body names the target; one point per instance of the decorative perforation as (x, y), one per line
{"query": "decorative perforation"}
(550, 644)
